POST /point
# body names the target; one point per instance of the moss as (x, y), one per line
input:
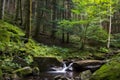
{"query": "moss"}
(109, 71)
(1, 74)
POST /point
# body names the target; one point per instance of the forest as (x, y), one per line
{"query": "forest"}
(59, 40)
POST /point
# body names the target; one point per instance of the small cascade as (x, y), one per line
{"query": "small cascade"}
(62, 69)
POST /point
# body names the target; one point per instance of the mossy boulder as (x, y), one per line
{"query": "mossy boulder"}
(85, 75)
(45, 63)
(1, 74)
(109, 71)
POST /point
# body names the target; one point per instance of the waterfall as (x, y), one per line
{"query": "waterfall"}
(62, 69)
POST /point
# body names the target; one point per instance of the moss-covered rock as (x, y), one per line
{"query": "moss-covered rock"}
(109, 71)
(1, 74)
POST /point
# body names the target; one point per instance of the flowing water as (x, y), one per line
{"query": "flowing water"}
(65, 71)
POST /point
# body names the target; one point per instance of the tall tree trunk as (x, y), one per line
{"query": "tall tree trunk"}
(18, 15)
(110, 25)
(54, 19)
(1, 9)
(39, 15)
(63, 17)
(28, 14)
(17, 10)
(68, 17)
(21, 17)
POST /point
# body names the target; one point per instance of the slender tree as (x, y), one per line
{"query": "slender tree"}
(1, 9)
(110, 26)
(54, 9)
(68, 17)
(28, 14)
(39, 15)
(63, 17)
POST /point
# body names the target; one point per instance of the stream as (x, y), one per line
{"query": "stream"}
(64, 71)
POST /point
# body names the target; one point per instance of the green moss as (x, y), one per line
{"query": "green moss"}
(109, 71)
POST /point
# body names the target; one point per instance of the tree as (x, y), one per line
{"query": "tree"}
(28, 14)
(68, 17)
(54, 16)
(1, 9)
(18, 15)
(39, 15)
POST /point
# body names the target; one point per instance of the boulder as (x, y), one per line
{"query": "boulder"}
(1, 74)
(59, 77)
(35, 71)
(85, 75)
(45, 63)
(14, 77)
(83, 65)
(109, 71)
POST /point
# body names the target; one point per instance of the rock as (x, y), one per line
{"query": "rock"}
(83, 65)
(109, 71)
(1, 74)
(59, 77)
(35, 71)
(85, 75)
(14, 77)
(6, 76)
(45, 63)
(23, 71)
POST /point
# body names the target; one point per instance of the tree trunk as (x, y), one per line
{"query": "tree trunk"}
(28, 13)
(1, 9)
(18, 15)
(54, 19)
(39, 15)
(17, 10)
(21, 17)
(63, 17)
(68, 17)
(110, 25)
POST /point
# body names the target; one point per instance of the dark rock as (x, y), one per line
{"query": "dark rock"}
(59, 77)
(45, 63)
(35, 71)
(83, 65)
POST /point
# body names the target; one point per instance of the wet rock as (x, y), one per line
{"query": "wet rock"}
(14, 77)
(83, 65)
(59, 77)
(6, 76)
(45, 63)
(23, 71)
(35, 71)
(85, 75)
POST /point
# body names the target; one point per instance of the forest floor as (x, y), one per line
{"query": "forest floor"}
(47, 40)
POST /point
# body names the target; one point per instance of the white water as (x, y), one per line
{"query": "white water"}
(61, 69)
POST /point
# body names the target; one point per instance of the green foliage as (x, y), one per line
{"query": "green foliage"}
(115, 41)
(97, 33)
(103, 50)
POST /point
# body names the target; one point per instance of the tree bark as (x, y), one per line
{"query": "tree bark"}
(54, 19)
(1, 9)
(28, 14)
(68, 17)
(39, 15)
(110, 25)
